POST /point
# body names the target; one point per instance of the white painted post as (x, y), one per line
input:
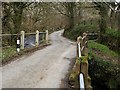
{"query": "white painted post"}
(82, 82)
(22, 39)
(18, 43)
(46, 38)
(37, 38)
(79, 46)
(79, 51)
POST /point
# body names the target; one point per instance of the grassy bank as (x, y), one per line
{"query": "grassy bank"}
(94, 46)
(103, 66)
(8, 52)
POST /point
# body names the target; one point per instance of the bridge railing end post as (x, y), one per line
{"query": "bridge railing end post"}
(22, 39)
(37, 38)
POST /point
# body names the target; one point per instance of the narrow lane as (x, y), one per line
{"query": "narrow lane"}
(44, 68)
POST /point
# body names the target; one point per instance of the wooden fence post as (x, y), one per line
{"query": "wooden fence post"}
(22, 39)
(84, 43)
(84, 70)
(37, 38)
(46, 38)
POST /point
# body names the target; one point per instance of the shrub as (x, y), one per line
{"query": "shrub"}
(112, 39)
(112, 33)
(103, 74)
(78, 30)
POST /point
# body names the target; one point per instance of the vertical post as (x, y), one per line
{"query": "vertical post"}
(81, 45)
(78, 46)
(43, 38)
(84, 70)
(84, 43)
(82, 82)
(46, 38)
(37, 38)
(18, 42)
(22, 39)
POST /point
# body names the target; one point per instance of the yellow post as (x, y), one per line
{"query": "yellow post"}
(22, 39)
(46, 38)
(37, 38)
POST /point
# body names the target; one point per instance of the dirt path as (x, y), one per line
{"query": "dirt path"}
(44, 68)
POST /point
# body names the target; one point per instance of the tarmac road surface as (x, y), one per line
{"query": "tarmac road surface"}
(44, 68)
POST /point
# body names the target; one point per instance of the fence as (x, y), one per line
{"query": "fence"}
(21, 38)
(80, 69)
(36, 35)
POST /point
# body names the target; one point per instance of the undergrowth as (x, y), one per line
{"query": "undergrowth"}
(104, 74)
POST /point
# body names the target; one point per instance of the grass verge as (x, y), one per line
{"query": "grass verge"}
(10, 54)
(102, 48)
(104, 73)
(7, 52)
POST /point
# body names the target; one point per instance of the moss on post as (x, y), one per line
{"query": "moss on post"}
(73, 78)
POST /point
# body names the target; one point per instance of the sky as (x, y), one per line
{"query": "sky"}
(118, 0)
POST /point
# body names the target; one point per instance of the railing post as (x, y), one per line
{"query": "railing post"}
(82, 82)
(84, 70)
(22, 39)
(37, 38)
(46, 38)
(84, 43)
(79, 46)
(18, 42)
(43, 37)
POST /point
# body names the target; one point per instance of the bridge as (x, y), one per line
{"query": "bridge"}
(47, 67)
(79, 77)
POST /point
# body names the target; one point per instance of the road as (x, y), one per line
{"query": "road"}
(44, 68)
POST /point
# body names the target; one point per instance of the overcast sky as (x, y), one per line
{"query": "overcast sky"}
(118, 0)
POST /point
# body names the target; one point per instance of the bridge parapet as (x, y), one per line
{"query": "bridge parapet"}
(81, 66)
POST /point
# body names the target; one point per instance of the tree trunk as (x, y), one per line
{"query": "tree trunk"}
(112, 20)
(70, 13)
(118, 15)
(103, 22)
(17, 19)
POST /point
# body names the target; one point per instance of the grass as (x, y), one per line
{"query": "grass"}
(8, 52)
(102, 48)
(104, 74)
